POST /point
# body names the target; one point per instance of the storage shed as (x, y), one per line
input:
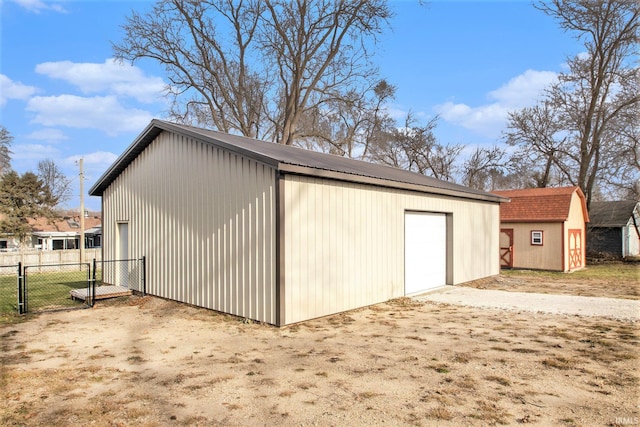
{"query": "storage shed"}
(280, 234)
(543, 229)
(614, 229)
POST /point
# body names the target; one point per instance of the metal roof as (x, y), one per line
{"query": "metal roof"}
(294, 160)
(612, 214)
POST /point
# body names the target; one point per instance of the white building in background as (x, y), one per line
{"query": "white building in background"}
(59, 235)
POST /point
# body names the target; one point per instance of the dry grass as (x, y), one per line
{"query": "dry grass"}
(612, 280)
(398, 363)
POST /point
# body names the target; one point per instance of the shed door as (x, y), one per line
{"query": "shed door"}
(506, 247)
(425, 251)
(575, 249)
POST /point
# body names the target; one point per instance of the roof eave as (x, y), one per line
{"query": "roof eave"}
(148, 135)
(137, 146)
(156, 127)
(361, 179)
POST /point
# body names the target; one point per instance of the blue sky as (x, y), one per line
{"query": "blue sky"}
(62, 97)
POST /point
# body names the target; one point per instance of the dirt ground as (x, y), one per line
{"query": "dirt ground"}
(151, 362)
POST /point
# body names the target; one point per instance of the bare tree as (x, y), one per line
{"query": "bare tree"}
(580, 112)
(206, 49)
(5, 151)
(256, 67)
(347, 126)
(484, 167)
(415, 148)
(538, 133)
(57, 187)
(317, 49)
(621, 164)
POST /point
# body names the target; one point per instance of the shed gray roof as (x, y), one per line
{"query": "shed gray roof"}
(611, 214)
(293, 160)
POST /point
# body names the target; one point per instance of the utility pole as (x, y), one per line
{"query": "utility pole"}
(81, 211)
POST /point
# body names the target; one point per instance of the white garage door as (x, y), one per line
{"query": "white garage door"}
(425, 251)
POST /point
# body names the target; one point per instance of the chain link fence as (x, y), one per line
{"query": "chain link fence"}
(127, 273)
(37, 288)
(9, 288)
(48, 287)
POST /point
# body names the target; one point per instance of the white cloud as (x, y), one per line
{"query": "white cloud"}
(489, 119)
(10, 89)
(112, 77)
(48, 134)
(99, 112)
(36, 6)
(523, 90)
(33, 152)
(100, 158)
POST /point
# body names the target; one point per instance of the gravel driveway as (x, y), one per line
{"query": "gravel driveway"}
(620, 309)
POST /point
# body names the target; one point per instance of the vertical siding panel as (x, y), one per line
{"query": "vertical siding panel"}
(227, 234)
(204, 218)
(268, 261)
(237, 246)
(173, 202)
(270, 242)
(310, 225)
(289, 239)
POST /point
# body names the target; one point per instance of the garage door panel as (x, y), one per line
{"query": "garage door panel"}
(425, 251)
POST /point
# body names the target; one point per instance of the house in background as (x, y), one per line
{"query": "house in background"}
(64, 233)
(543, 229)
(614, 229)
(58, 235)
(280, 234)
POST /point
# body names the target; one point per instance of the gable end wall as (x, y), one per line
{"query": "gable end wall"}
(205, 220)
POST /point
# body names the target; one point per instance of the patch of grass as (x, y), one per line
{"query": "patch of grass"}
(462, 357)
(562, 333)
(8, 290)
(467, 382)
(441, 369)
(305, 386)
(611, 272)
(524, 350)
(440, 413)
(135, 359)
(48, 290)
(490, 413)
(559, 363)
(500, 380)
(367, 395)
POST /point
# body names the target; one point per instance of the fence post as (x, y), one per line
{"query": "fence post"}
(21, 309)
(144, 275)
(93, 286)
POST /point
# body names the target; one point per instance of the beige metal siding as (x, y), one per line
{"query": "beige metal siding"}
(545, 257)
(205, 220)
(344, 243)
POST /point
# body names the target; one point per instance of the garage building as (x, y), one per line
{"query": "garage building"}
(280, 234)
